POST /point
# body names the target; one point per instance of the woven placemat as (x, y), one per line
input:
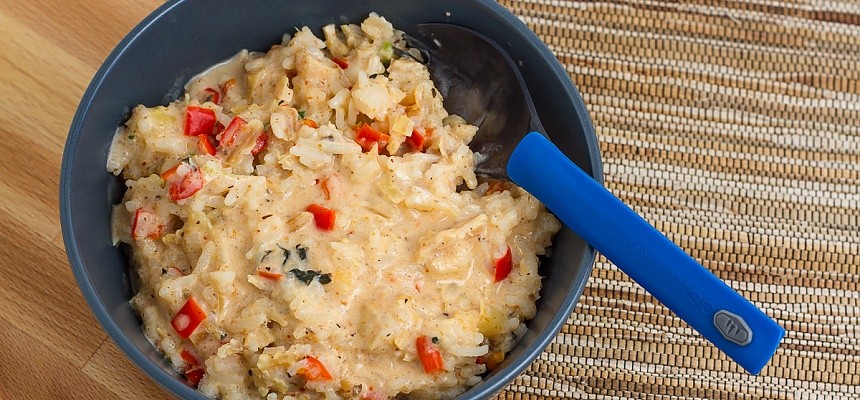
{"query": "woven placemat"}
(734, 128)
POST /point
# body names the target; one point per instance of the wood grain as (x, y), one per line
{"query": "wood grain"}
(731, 125)
(51, 346)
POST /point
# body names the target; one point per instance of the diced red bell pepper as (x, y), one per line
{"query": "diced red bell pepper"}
(205, 145)
(429, 354)
(188, 318)
(193, 376)
(504, 266)
(189, 357)
(416, 140)
(199, 120)
(260, 144)
(219, 127)
(214, 94)
(186, 186)
(145, 224)
(314, 370)
(343, 64)
(367, 136)
(231, 133)
(323, 217)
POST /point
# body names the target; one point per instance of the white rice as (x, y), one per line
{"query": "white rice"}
(409, 255)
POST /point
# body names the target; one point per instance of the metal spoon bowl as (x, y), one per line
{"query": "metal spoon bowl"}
(480, 82)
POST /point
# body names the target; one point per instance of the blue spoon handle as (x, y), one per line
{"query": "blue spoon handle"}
(674, 278)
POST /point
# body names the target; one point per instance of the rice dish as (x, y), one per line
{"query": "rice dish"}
(307, 223)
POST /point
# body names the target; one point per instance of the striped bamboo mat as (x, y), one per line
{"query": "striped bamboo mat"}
(734, 128)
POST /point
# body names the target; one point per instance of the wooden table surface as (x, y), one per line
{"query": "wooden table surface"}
(51, 346)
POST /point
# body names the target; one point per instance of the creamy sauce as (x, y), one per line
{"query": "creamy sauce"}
(409, 262)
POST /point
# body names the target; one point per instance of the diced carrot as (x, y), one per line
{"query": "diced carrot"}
(228, 85)
(324, 185)
(170, 173)
(495, 186)
(314, 370)
(429, 354)
(269, 274)
(311, 123)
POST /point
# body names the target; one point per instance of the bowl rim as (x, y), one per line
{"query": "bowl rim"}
(156, 373)
(129, 349)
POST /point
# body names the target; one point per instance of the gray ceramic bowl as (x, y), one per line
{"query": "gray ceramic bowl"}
(182, 38)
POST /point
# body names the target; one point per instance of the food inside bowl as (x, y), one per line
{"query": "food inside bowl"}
(297, 230)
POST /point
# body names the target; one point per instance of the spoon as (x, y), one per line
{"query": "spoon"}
(479, 82)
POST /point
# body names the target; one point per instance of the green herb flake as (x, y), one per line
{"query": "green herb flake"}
(302, 114)
(308, 276)
(131, 137)
(303, 252)
(286, 255)
(386, 53)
